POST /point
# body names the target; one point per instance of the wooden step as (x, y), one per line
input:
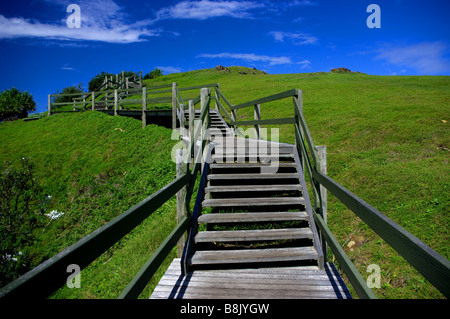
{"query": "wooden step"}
(253, 235)
(248, 165)
(245, 150)
(260, 201)
(232, 157)
(253, 188)
(253, 255)
(251, 217)
(253, 176)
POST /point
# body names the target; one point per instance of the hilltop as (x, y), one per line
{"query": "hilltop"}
(387, 140)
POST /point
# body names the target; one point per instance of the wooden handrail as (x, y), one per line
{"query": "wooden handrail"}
(47, 277)
(429, 263)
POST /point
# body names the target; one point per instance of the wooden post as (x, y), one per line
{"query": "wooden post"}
(174, 105)
(144, 107)
(299, 99)
(115, 102)
(203, 97)
(233, 116)
(257, 116)
(182, 118)
(93, 101)
(217, 98)
(181, 198)
(321, 151)
(49, 104)
(191, 127)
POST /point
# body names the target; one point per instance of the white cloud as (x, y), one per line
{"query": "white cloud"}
(101, 20)
(272, 60)
(205, 9)
(298, 38)
(67, 67)
(169, 69)
(425, 58)
(302, 3)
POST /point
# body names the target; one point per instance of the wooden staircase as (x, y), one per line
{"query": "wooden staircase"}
(256, 209)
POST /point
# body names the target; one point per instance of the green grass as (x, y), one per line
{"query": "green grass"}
(96, 166)
(385, 139)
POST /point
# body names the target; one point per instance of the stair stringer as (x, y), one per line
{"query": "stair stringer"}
(309, 211)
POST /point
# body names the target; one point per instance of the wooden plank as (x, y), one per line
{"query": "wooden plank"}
(248, 165)
(267, 283)
(260, 201)
(429, 263)
(252, 217)
(253, 255)
(266, 99)
(253, 176)
(287, 120)
(253, 188)
(253, 235)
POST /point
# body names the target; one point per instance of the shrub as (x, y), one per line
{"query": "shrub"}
(97, 81)
(14, 103)
(68, 90)
(153, 74)
(21, 212)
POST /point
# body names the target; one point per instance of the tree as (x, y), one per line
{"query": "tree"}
(153, 74)
(97, 81)
(68, 90)
(14, 103)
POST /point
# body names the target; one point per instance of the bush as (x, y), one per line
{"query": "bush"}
(153, 74)
(14, 103)
(68, 90)
(21, 211)
(96, 82)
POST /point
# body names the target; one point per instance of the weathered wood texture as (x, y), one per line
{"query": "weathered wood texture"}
(253, 283)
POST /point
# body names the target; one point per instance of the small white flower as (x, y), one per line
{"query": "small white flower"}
(54, 214)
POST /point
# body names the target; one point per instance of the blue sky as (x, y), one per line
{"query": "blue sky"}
(39, 53)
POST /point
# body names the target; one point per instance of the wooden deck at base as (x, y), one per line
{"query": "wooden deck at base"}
(258, 283)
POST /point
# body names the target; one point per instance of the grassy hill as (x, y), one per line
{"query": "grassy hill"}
(387, 140)
(94, 167)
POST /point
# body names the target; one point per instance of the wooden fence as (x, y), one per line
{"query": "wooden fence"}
(50, 275)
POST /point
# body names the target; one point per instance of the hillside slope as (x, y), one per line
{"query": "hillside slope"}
(94, 167)
(387, 141)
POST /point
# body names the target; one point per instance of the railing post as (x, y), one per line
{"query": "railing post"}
(191, 128)
(93, 101)
(115, 102)
(299, 99)
(181, 198)
(321, 151)
(182, 127)
(203, 99)
(144, 107)
(233, 116)
(174, 105)
(257, 116)
(49, 104)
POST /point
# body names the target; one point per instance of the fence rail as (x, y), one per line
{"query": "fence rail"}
(50, 275)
